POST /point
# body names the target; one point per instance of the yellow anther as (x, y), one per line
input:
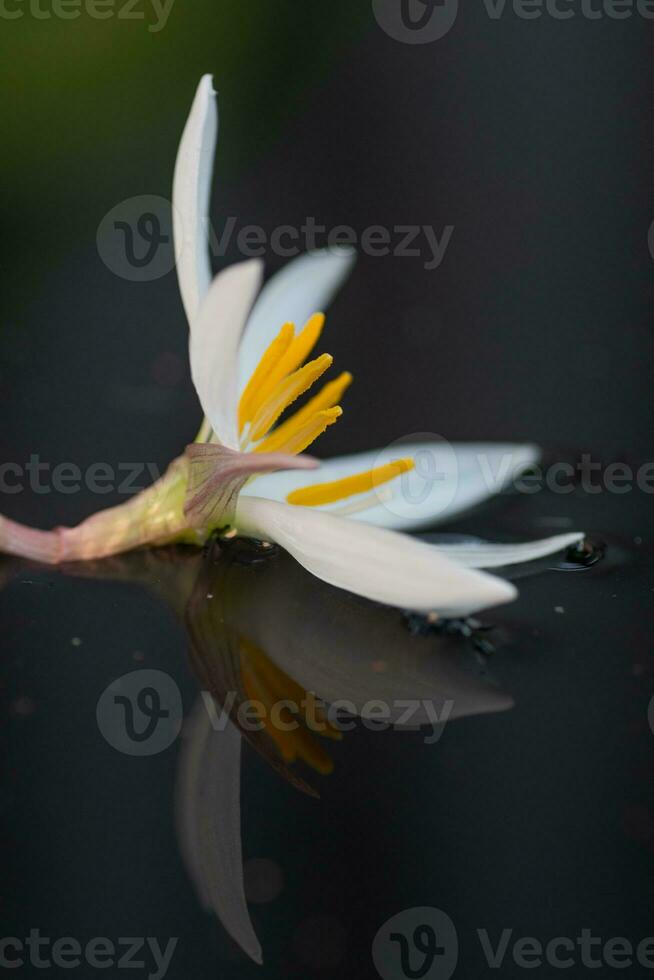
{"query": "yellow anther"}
(278, 381)
(301, 439)
(328, 493)
(290, 360)
(285, 394)
(274, 353)
(329, 395)
(300, 349)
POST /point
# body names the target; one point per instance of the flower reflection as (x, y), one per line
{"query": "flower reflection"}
(267, 633)
(267, 636)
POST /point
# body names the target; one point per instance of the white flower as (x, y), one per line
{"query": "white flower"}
(246, 470)
(247, 371)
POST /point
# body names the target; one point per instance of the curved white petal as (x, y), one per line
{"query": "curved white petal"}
(191, 192)
(215, 336)
(304, 286)
(486, 554)
(208, 803)
(373, 562)
(448, 479)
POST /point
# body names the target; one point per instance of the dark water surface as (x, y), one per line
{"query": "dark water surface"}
(536, 819)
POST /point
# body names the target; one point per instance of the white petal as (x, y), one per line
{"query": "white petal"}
(215, 336)
(373, 562)
(449, 479)
(208, 798)
(191, 192)
(486, 554)
(303, 287)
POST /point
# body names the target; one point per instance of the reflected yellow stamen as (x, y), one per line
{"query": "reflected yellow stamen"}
(325, 727)
(255, 692)
(286, 393)
(280, 684)
(301, 439)
(310, 751)
(273, 355)
(284, 688)
(264, 681)
(329, 395)
(328, 493)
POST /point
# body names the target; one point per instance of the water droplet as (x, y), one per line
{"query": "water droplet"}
(582, 555)
(245, 551)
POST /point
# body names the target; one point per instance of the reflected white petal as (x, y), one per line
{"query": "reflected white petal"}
(486, 554)
(373, 562)
(215, 336)
(341, 648)
(464, 475)
(208, 800)
(304, 286)
(191, 193)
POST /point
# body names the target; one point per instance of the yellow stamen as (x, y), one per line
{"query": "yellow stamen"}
(300, 440)
(328, 493)
(285, 394)
(292, 358)
(329, 395)
(298, 352)
(365, 502)
(274, 353)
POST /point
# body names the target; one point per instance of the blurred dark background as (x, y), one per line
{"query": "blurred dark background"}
(534, 139)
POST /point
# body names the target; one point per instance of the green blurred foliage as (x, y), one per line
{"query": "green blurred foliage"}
(92, 109)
